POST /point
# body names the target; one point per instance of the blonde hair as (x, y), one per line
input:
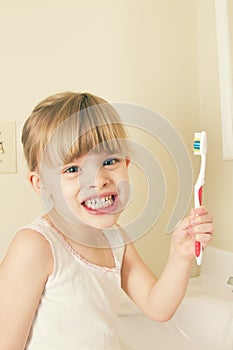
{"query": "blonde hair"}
(80, 121)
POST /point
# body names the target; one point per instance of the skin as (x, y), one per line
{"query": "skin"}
(22, 282)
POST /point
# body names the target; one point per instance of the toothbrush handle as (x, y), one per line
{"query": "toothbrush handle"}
(198, 252)
(198, 245)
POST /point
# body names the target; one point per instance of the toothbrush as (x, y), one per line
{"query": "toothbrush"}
(200, 149)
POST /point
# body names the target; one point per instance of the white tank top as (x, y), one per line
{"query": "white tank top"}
(80, 302)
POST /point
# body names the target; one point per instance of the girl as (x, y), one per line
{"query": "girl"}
(60, 280)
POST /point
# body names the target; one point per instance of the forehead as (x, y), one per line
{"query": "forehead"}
(76, 137)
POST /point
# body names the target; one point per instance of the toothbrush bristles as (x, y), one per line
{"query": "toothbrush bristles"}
(200, 143)
(197, 144)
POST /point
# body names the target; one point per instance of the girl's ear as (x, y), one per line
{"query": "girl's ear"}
(127, 162)
(34, 179)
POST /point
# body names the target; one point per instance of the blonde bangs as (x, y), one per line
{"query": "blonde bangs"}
(93, 129)
(68, 125)
(101, 138)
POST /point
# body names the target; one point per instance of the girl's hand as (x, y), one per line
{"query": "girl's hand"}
(198, 226)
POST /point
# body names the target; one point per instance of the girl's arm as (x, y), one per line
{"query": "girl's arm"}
(23, 274)
(159, 298)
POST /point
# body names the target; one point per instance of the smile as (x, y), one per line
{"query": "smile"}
(99, 203)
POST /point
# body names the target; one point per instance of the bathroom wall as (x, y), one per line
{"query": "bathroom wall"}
(148, 53)
(219, 184)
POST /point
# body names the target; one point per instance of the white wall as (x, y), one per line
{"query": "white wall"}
(219, 187)
(142, 52)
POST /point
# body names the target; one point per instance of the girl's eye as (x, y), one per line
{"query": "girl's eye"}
(72, 169)
(111, 161)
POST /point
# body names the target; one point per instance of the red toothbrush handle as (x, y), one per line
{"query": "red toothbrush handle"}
(200, 195)
(198, 244)
(197, 248)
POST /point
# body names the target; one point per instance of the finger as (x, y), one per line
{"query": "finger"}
(192, 213)
(200, 211)
(206, 227)
(185, 223)
(205, 239)
(197, 220)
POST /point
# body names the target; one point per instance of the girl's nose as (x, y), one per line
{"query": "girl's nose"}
(96, 178)
(100, 180)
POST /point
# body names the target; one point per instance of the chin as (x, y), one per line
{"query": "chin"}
(104, 222)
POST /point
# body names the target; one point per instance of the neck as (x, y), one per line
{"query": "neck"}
(77, 231)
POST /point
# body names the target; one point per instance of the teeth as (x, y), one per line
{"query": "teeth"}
(98, 203)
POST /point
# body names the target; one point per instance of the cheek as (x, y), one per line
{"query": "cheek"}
(122, 178)
(123, 172)
(124, 189)
(70, 188)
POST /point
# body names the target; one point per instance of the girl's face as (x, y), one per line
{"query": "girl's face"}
(96, 188)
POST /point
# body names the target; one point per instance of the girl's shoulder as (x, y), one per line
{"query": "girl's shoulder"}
(30, 238)
(30, 249)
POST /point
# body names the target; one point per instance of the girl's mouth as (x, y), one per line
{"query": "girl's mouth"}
(103, 204)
